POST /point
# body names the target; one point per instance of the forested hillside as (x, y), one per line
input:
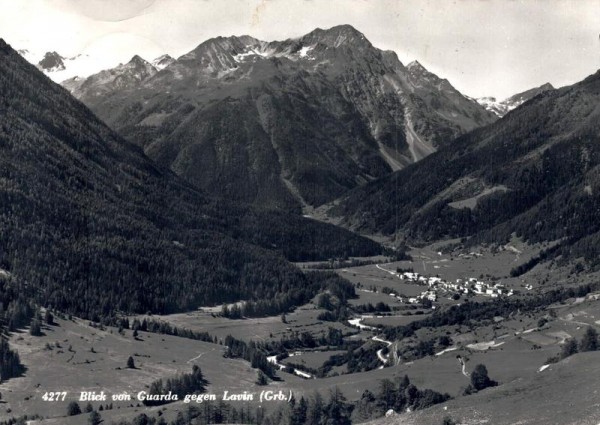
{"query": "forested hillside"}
(535, 172)
(89, 225)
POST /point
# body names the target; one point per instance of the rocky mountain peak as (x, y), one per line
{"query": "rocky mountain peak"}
(139, 63)
(162, 61)
(422, 77)
(547, 86)
(220, 54)
(344, 30)
(416, 66)
(232, 44)
(138, 60)
(52, 61)
(340, 35)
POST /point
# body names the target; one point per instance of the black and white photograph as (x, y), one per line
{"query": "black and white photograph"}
(299, 212)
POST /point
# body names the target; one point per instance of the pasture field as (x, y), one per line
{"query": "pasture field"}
(310, 265)
(514, 355)
(312, 359)
(75, 357)
(527, 400)
(490, 265)
(366, 297)
(303, 319)
(369, 276)
(393, 320)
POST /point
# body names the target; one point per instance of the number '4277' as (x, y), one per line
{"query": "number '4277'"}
(54, 396)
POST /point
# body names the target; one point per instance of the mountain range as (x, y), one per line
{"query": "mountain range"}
(91, 226)
(60, 68)
(327, 116)
(282, 124)
(534, 173)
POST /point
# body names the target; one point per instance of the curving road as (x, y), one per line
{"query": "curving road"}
(464, 366)
(382, 358)
(300, 373)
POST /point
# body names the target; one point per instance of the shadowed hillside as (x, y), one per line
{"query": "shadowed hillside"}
(89, 225)
(536, 172)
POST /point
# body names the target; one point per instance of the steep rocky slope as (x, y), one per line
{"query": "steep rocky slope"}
(287, 123)
(535, 172)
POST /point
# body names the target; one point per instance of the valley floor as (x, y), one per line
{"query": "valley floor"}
(516, 348)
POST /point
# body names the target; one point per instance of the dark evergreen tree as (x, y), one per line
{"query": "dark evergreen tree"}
(569, 348)
(49, 317)
(387, 394)
(10, 363)
(338, 410)
(94, 418)
(130, 363)
(315, 410)
(480, 379)
(262, 378)
(589, 341)
(35, 328)
(73, 409)
(300, 412)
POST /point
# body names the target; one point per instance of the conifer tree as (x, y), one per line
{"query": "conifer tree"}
(589, 342)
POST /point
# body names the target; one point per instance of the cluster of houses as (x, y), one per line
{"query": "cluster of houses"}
(437, 285)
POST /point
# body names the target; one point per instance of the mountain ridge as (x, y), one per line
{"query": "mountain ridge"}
(503, 107)
(91, 226)
(317, 115)
(534, 173)
(118, 78)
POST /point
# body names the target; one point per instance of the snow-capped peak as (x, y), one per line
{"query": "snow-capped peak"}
(162, 62)
(501, 108)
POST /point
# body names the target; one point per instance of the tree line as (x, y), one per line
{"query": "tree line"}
(469, 312)
(315, 409)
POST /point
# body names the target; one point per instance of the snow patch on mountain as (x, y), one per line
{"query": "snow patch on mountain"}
(304, 51)
(501, 108)
(162, 62)
(242, 57)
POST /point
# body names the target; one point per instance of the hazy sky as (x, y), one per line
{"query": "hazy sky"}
(484, 47)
